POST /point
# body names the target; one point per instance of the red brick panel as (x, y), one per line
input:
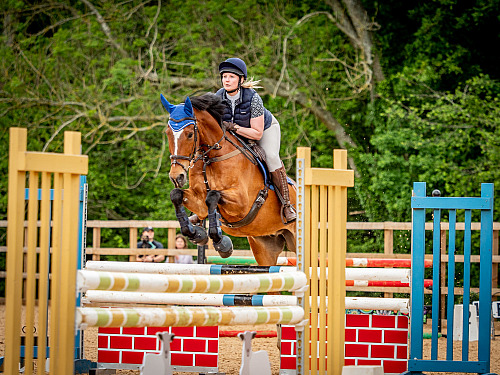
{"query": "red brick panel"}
(108, 356)
(209, 332)
(395, 367)
(181, 359)
(396, 337)
(195, 345)
(350, 335)
(120, 342)
(288, 363)
(383, 351)
(103, 342)
(132, 357)
(183, 331)
(135, 330)
(146, 343)
(213, 346)
(369, 335)
(356, 350)
(383, 321)
(354, 320)
(206, 360)
(403, 322)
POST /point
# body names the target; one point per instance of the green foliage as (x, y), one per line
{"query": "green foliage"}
(448, 139)
(433, 119)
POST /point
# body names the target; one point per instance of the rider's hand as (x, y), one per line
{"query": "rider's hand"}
(230, 126)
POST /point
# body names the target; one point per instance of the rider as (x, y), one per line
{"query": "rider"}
(246, 115)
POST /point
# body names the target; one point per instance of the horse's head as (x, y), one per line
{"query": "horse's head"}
(182, 135)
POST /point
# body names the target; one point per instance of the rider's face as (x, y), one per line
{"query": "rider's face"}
(230, 81)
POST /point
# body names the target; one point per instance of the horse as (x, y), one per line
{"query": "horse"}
(225, 183)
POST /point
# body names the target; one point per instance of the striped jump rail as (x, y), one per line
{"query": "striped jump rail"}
(186, 270)
(354, 303)
(148, 282)
(292, 261)
(177, 316)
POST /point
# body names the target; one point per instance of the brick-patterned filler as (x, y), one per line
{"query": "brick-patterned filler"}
(380, 340)
(194, 349)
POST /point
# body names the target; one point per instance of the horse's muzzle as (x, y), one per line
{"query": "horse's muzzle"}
(179, 181)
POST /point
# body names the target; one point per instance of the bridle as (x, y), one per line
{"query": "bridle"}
(174, 158)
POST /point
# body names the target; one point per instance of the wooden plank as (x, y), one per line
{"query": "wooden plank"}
(55, 163)
(133, 223)
(329, 177)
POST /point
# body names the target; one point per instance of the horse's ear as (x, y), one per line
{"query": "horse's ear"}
(188, 107)
(169, 107)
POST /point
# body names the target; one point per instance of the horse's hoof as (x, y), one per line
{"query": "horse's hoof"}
(224, 247)
(200, 236)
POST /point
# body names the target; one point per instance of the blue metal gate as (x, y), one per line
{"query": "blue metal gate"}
(420, 203)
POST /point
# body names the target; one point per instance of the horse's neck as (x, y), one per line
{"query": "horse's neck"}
(210, 131)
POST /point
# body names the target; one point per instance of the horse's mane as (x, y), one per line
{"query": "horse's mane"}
(211, 103)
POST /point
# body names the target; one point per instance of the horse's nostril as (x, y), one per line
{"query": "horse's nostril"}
(180, 180)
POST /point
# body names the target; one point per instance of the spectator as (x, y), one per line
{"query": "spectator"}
(181, 243)
(148, 242)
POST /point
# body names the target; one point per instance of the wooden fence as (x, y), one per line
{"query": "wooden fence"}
(170, 228)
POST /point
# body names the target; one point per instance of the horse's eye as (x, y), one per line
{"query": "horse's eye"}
(190, 135)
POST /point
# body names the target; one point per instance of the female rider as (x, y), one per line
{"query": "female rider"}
(246, 115)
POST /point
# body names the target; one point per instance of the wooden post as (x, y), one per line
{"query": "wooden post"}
(96, 242)
(388, 250)
(133, 242)
(15, 225)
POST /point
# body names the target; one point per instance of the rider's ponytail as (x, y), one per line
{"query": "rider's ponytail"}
(251, 84)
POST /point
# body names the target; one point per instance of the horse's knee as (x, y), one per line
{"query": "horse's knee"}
(176, 196)
(213, 198)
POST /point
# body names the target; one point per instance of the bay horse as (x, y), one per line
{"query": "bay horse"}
(225, 184)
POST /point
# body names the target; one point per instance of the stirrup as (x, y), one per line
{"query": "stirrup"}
(284, 220)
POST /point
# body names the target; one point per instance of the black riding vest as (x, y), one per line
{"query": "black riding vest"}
(242, 109)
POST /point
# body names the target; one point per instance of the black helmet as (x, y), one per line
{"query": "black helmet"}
(234, 65)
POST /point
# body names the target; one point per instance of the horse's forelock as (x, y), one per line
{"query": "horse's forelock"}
(211, 103)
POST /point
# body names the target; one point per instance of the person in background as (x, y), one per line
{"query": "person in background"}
(181, 243)
(148, 242)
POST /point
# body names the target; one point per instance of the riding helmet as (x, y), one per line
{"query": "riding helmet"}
(234, 65)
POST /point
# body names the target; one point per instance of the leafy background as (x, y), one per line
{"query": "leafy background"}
(409, 88)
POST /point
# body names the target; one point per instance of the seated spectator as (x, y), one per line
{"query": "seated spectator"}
(181, 243)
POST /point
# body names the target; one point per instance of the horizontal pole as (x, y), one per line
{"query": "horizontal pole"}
(142, 282)
(376, 274)
(100, 296)
(176, 316)
(292, 261)
(449, 203)
(362, 303)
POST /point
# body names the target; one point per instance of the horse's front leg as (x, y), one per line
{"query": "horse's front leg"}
(222, 244)
(194, 233)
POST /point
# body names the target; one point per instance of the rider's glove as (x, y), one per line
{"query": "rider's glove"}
(229, 125)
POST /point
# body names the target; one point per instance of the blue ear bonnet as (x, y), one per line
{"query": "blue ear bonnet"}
(183, 112)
